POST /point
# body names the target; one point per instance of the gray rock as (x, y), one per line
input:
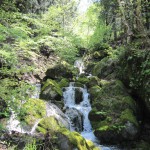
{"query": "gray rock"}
(130, 131)
(76, 119)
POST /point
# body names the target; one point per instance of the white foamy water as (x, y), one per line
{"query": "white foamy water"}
(80, 65)
(13, 124)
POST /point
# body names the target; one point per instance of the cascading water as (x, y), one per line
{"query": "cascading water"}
(80, 65)
(83, 107)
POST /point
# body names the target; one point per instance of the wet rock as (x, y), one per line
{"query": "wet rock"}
(53, 110)
(78, 95)
(51, 91)
(130, 131)
(76, 118)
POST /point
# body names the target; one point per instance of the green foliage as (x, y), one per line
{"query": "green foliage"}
(31, 145)
(90, 27)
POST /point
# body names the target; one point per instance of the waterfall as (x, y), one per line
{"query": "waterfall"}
(84, 107)
(80, 65)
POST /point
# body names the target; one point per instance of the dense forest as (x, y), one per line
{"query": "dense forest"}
(74, 75)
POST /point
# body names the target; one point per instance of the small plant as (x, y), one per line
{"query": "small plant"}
(31, 146)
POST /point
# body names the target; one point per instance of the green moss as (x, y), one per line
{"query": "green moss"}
(92, 146)
(94, 91)
(75, 138)
(55, 86)
(34, 109)
(78, 84)
(99, 66)
(104, 82)
(104, 128)
(97, 124)
(42, 130)
(93, 81)
(97, 54)
(127, 115)
(64, 83)
(129, 101)
(48, 124)
(83, 80)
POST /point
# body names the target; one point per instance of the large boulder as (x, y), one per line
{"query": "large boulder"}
(60, 70)
(62, 137)
(53, 110)
(113, 114)
(51, 91)
(73, 140)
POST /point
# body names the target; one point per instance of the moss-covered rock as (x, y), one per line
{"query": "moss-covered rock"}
(64, 83)
(93, 80)
(61, 70)
(78, 95)
(64, 138)
(74, 140)
(78, 84)
(92, 146)
(94, 92)
(51, 90)
(135, 74)
(89, 67)
(34, 109)
(113, 114)
(105, 68)
(83, 80)
(49, 124)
